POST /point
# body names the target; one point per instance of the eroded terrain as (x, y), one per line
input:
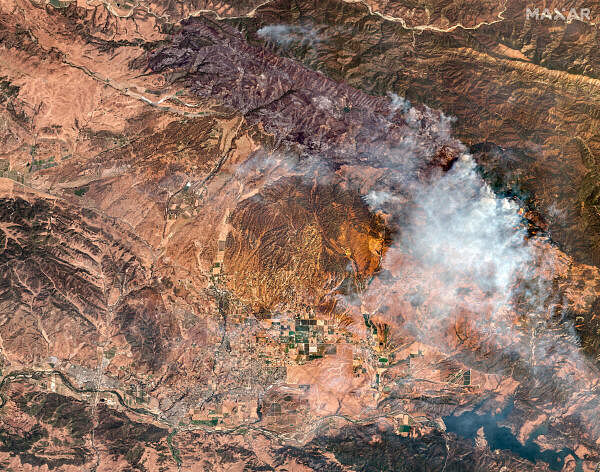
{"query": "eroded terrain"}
(298, 236)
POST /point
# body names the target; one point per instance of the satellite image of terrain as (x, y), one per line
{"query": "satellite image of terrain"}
(299, 235)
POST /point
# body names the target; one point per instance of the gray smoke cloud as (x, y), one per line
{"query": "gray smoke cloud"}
(459, 249)
(466, 251)
(456, 231)
(461, 254)
(462, 229)
(441, 127)
(287, 35)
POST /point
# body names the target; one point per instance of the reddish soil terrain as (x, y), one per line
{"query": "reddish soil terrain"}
(229, 241)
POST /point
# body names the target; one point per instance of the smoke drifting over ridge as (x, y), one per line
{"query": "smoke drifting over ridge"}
(459, 254)
(287, 35)
(461, 274)
(461, 259)
(463, 230)
(463, 253)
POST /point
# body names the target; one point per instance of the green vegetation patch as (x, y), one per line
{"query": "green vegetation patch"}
(173, 448)
(59, 4)
(211, 422)
(111, 352)
(80, 192)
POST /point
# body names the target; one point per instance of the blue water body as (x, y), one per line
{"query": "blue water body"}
(501, 437)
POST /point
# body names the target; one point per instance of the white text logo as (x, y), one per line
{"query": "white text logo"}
(582, 14)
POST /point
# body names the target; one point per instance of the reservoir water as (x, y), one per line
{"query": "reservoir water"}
(500, 437)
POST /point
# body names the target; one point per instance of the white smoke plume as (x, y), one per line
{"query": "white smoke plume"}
(440, 128)
(463, 229)
(460, 251)
(466, 251)
(287, 35)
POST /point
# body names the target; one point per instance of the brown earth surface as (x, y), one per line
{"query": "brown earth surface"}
(192, 194)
